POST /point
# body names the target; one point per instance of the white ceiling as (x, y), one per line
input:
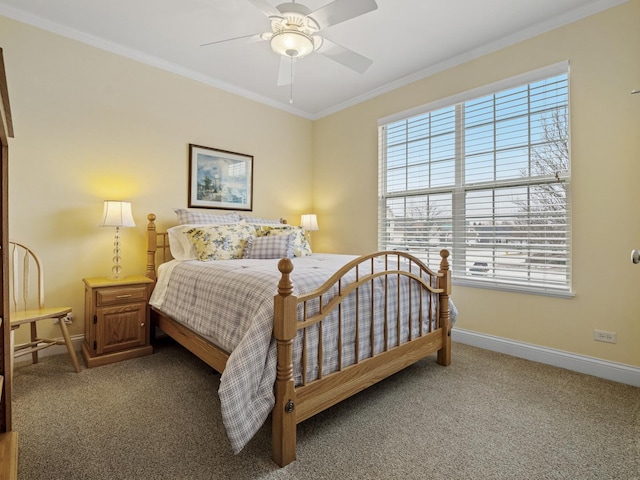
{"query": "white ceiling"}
(406, 39)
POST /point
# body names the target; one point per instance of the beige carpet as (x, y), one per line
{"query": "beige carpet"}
(487, 416)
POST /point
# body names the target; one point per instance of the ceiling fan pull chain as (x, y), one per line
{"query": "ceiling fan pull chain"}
(291, 84)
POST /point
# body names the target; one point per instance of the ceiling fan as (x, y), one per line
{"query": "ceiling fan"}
(295, 33)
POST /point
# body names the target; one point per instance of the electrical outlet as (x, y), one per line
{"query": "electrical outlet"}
(601, 336)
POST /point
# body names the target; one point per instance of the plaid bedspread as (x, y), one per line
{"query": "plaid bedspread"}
(232, 302)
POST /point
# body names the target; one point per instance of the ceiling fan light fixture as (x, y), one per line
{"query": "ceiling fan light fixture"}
(292, 43)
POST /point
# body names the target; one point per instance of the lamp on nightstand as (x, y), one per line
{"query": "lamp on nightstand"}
(310, 223)
(117, 214)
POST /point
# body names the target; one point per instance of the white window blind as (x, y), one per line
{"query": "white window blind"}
(488, 178)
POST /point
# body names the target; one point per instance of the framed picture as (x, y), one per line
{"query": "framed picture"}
(220, 179)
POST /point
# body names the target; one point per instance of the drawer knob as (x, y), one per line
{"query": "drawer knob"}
(142, 324)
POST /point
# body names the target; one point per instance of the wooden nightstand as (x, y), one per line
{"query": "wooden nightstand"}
(116, 319)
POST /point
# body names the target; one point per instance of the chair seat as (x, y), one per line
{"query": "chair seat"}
(27, 316)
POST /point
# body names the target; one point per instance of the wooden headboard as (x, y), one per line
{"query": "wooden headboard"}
(158, 251)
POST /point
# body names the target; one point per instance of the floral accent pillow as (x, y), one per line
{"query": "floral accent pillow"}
(272, 246)
(220, 242)
(301, 246)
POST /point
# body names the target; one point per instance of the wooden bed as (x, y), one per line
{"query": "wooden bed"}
(294, 404)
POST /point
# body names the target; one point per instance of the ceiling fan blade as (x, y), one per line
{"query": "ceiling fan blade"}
(344, 56)
(285, 73)
(243, 39)
(340, 10)
(266, 8)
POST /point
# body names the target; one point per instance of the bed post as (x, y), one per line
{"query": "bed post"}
(444, 282)
(284, 330)
(152, 240)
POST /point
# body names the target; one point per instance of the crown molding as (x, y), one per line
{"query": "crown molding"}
(533, 31)
(542, 27)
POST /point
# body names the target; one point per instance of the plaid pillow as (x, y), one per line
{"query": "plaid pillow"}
(261, 221)
(277, 246)
(186, 216)
(301, 246)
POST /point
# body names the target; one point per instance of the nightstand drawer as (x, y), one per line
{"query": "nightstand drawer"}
(112, 296)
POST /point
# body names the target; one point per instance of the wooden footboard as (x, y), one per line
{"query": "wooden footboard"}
(295, 404)
(429, 327)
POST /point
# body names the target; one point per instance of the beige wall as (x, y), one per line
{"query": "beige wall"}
(604, 55)
(91, 125)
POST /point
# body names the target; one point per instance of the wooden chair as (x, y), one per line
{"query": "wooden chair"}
(26, 275)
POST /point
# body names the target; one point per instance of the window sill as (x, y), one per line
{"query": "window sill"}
(489, 285)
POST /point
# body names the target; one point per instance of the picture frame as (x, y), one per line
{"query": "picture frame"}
(220, 179)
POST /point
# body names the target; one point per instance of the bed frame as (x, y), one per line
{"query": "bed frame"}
(294, 404)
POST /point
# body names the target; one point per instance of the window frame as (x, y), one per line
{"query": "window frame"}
(459, 237)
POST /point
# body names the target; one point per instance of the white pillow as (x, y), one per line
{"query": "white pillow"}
(179, 244)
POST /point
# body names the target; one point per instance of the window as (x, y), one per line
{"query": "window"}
(486, 175)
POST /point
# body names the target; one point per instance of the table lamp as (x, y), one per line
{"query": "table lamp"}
(117, 214)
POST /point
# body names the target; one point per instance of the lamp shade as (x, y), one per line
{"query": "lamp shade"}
(117, 214)
(310, 222)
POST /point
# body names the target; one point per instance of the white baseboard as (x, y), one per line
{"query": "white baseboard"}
(618, 372)
(54, 350)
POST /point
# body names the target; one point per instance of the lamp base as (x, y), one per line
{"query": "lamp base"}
(120, 276)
